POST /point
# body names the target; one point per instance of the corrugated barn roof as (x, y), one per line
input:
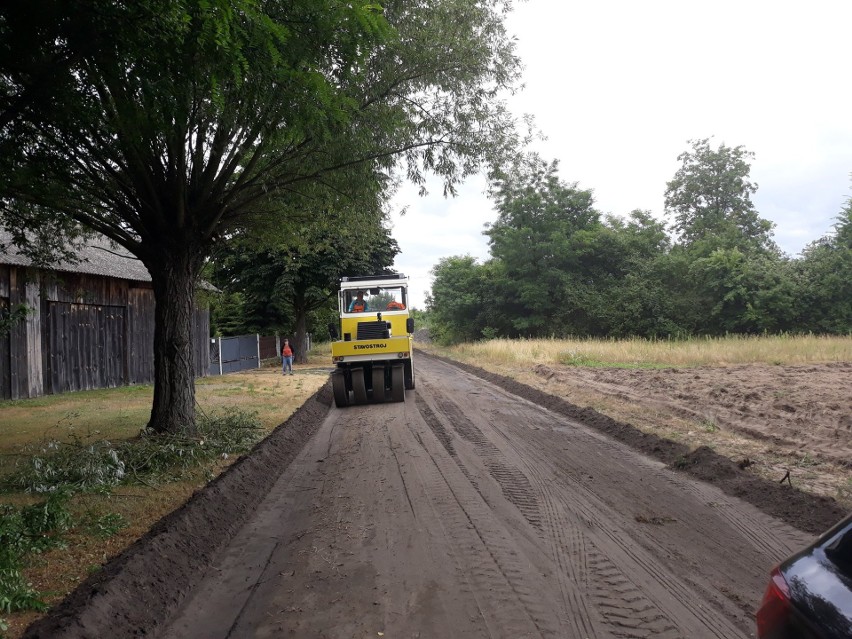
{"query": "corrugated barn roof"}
(99, 256)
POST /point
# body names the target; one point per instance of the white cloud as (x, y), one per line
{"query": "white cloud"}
(620, 86)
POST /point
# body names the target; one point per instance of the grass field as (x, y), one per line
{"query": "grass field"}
(643, 353)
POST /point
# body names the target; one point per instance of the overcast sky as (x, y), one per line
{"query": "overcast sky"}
(619, 87)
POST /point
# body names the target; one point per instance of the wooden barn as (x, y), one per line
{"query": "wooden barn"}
(89, 325)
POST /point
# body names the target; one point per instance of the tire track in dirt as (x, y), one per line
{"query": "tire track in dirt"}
(514, 484)
(435, 424)
(626, 610)
(615, 567)
(754, 527)
(613, 537)
(622, 606)
(492, 563)
(574, 612)
(617, 563)
(567, 546)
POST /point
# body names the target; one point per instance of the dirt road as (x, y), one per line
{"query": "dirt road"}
(469, 512)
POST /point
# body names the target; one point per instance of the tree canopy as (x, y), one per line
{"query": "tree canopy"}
(710, 199)
(560, 268)
(280, 286)
(824, 278)
(170, 125)
(543, 230)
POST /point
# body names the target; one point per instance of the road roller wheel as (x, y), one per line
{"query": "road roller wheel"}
(397, 383)
(409, 376)
(359, 390)
(378, 383)
(338, 385)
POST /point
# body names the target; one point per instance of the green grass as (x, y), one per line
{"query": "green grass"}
(573, 359)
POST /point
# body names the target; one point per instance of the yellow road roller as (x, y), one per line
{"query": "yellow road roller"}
(373, 344)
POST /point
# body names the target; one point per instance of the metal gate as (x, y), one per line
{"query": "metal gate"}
(233, 354)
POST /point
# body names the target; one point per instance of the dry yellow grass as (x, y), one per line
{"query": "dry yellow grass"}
(711, 351)
(120, 413)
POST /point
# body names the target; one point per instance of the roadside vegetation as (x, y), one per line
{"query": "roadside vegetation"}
(80, 479)
(560, 267)
(657, 353)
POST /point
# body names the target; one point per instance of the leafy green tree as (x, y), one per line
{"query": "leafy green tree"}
(632, 263)
(731, 275)
(544, 238)
(283, 285)
(710, 200)
(681, 303)
(824, 278)
(746, 294)
(467, 301)
(171, 126)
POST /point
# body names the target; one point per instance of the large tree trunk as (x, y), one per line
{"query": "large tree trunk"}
(301, 330)
(174, 277)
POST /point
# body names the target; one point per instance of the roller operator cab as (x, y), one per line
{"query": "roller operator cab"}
(372, 348)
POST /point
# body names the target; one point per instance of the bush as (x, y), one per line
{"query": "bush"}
(100, 465)
(16, 594)
(23, 531)
(75, 465)
(33, 528)
(61, 469)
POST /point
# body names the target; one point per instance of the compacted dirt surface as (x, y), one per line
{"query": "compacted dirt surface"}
(801, 410)
(479, 507)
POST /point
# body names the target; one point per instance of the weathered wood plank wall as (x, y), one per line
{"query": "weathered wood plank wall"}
(32, 327)
(85, 347)
(5, 376)
(86, 331)
(17, 364)
(140, 335)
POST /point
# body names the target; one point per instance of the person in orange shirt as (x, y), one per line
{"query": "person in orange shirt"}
(359, 304)
(393, 305)
(287, 355)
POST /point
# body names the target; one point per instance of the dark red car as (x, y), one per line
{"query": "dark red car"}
(810, 594)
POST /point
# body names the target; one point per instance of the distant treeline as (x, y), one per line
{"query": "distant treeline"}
(560, 268)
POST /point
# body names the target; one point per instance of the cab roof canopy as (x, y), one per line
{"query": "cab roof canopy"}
(373, 278)
(352, 283)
